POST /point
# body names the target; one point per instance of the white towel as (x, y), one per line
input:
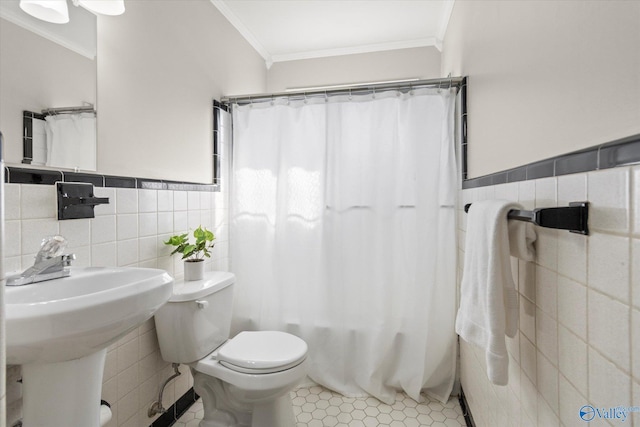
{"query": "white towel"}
(522, 236)
(489, 301)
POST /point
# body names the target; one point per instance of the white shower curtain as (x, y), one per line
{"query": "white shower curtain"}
(343, 233)
(71, 140)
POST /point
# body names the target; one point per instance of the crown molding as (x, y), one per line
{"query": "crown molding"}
(444, 22)
(352, 50)
(270, 58)
(243, 30)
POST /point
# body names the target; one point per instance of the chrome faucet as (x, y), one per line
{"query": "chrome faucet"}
(49, 264)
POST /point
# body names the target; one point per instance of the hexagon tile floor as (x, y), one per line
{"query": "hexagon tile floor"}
(318, 407)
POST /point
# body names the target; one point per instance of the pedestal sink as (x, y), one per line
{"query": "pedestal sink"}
(59, 331)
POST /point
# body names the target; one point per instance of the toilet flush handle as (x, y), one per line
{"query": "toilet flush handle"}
(202, 304)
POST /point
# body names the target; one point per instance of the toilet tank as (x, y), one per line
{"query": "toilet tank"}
(196, 319)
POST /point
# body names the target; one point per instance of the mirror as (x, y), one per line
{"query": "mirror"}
(46, 66)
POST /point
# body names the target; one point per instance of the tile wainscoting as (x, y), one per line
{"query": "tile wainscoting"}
(129, 231)
(579, 336)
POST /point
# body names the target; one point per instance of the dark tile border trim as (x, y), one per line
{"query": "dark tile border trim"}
(217, 108)
(218, 104)
(621, 152)
(27, 131)
(31, 176)
(96, 180)
(176, 410)
(464, 115)
(120, 182)
(18, 175)
(468, 418)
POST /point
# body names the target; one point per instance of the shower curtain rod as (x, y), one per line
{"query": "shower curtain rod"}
(443, 83)
(61, 110)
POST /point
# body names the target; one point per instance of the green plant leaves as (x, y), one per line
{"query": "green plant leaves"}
(198, 250)
(177, 240)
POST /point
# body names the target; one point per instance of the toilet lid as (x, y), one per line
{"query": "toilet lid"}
(264, 351)
(213, 281)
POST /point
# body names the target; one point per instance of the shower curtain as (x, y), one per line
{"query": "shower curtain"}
(343, 233)
(71, 141)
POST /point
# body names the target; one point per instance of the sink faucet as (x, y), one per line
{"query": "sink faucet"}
(49, 264)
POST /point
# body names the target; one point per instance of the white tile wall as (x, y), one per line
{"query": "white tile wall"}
(579, 340)
(127, 232)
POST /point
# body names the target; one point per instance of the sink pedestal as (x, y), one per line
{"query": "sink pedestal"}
(63, 393)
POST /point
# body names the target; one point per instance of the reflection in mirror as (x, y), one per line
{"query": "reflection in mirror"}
(45, 66)
(61, 137)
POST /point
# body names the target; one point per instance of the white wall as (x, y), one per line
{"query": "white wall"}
(545, 78)
(160, 65)
(423, 62)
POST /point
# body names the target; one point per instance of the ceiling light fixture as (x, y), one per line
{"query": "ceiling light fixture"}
(54, 11)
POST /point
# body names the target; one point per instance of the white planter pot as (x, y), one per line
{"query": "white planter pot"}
(193, 270)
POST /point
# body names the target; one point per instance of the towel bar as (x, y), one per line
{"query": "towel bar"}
(573, 218)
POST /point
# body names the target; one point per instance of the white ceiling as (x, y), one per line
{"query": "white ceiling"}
(285, 30)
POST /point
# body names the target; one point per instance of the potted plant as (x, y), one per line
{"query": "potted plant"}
(193, 254)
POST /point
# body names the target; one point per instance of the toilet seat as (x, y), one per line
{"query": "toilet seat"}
(262, 352)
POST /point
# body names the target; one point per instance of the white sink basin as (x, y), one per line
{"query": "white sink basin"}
(71, 317)
(59, 331)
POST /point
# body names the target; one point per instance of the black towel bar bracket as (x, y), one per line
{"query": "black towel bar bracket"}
(76, 200)
(574, 218)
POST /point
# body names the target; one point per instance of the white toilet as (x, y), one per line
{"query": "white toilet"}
(243, 381)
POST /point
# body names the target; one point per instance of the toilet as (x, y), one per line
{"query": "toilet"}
(243, 381)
